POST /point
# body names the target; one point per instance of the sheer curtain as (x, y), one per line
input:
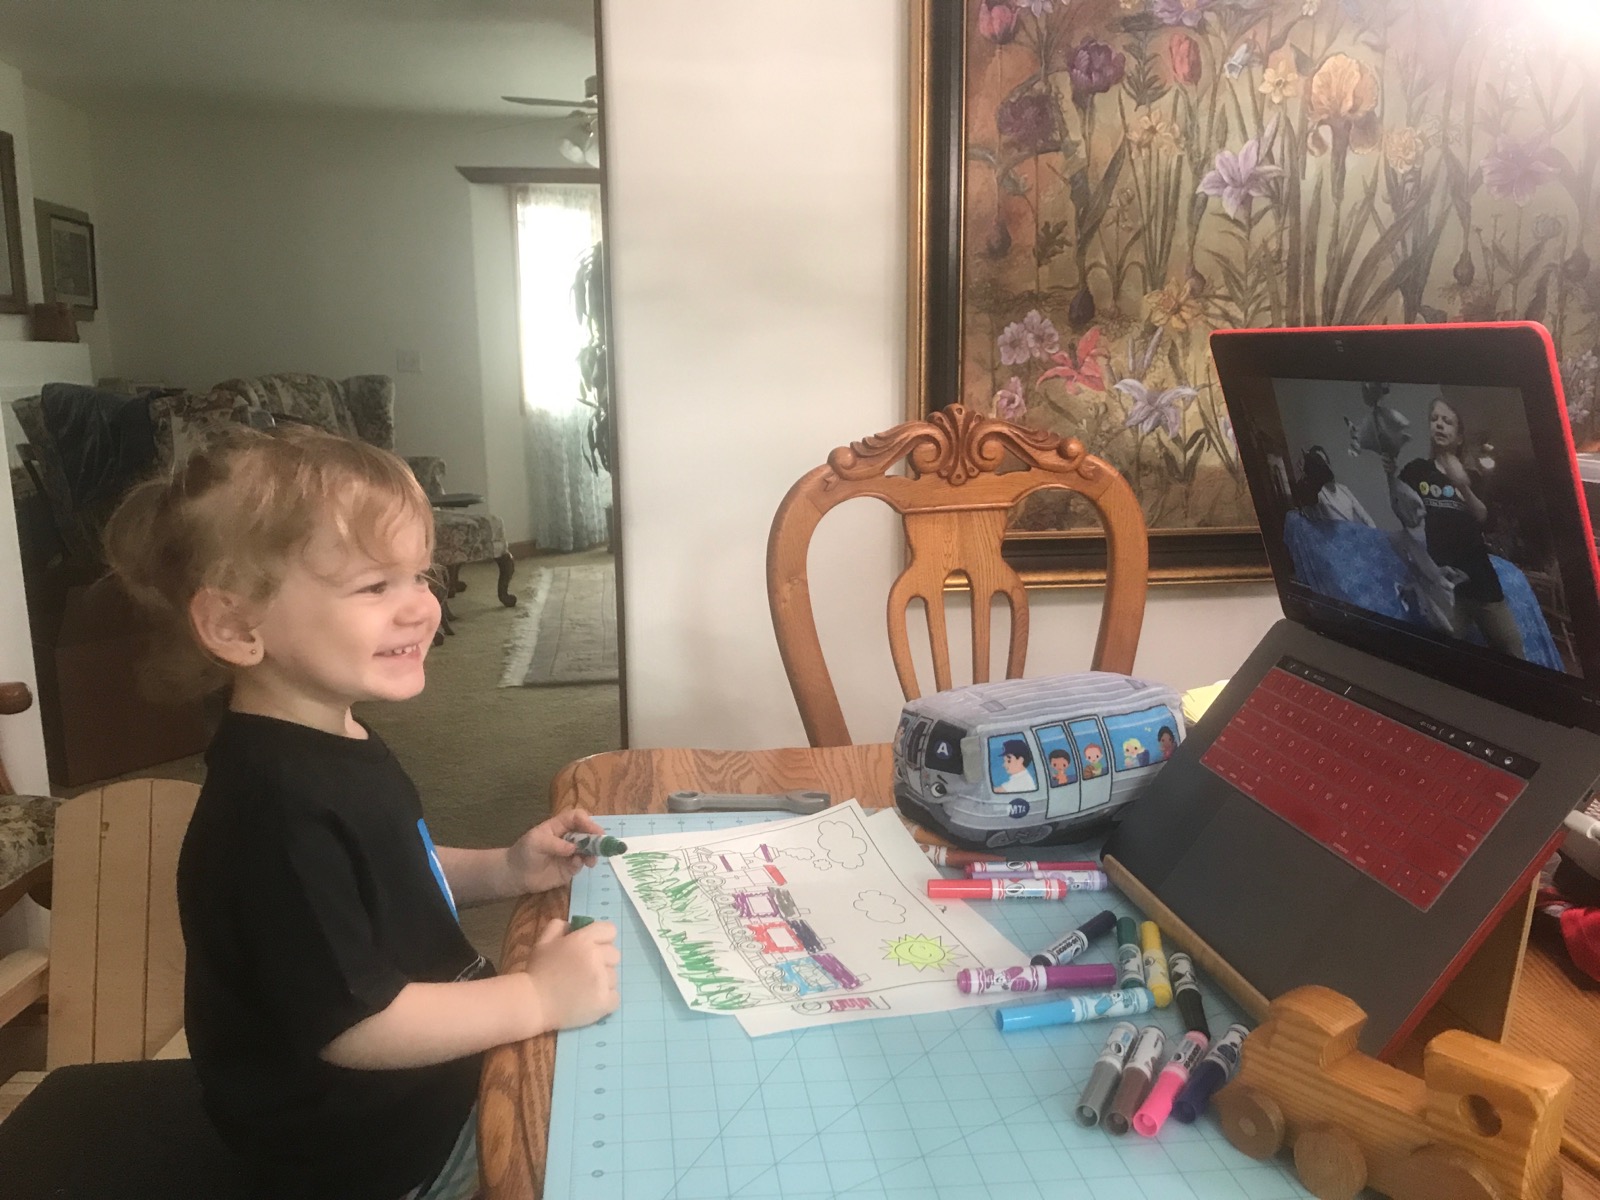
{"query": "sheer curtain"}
(556, 226)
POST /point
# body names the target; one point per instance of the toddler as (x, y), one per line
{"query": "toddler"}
(335, 1011)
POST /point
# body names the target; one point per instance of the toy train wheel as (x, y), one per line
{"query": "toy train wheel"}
(1330, 1163)
(1436, 1173)
(1251, 1120)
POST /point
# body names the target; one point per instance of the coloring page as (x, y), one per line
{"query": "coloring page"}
(808, 921)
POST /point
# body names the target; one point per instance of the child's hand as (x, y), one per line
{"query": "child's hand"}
(540, 860)
(575, 974)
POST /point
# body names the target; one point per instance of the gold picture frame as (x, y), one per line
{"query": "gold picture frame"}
(67, 261)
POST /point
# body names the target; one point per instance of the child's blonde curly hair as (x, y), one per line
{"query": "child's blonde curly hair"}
(232, 515)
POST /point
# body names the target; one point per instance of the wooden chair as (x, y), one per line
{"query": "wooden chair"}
(26, 857)
(116, 950)
(954, 505)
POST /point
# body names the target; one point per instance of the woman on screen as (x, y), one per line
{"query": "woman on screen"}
(1437, 497)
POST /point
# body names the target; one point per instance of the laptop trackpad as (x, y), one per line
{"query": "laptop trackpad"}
(1260, 893)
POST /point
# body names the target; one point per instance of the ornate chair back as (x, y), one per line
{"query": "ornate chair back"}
(954, 505)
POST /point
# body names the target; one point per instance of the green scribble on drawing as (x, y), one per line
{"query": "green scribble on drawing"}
(676, 898)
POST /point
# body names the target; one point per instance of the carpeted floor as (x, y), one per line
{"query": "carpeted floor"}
(483, 756)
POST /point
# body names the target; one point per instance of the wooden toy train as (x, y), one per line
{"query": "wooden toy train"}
(1483, 1122)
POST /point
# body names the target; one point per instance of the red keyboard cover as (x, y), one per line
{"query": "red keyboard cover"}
(1404, 807)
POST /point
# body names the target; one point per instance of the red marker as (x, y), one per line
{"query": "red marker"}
(977, 869)
(998, 889)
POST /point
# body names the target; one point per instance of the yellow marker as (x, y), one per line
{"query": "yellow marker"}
(1155, 964)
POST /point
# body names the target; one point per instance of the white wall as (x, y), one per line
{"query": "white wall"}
(60, 153)
(241, 243)
(756, 160)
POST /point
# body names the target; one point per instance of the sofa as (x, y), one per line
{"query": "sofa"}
(89, 639)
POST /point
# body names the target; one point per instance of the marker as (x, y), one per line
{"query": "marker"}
(1105, 1076)
(1215, 1069)
(1073, 1010)
(974, 870)
(1076, 942)
(596, 845)
(1135, 1082)
(944, 856)
(1155, 964)
(1130, 967)
(982, 981)
(576, 923)
(1152, 1114)
(1081, 881)
(1186, 991)
(999, 889)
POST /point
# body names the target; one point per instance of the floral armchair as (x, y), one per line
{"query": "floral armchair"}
(27, 846)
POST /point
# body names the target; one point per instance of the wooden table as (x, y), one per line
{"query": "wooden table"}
(1555, 1015)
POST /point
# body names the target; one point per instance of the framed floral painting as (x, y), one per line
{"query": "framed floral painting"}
(1100, 183)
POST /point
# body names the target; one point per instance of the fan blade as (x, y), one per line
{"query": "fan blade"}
(540, 101)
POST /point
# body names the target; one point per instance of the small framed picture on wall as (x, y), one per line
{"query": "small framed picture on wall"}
(13, 284)
(66, 257)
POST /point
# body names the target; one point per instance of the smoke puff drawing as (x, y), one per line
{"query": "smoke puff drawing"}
(880, 907)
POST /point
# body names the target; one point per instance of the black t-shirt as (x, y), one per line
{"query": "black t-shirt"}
(1455, 539)
(310, 895)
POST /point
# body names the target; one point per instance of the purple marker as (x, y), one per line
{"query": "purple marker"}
(1076, 942)
(981, 981)
(1215, 1069)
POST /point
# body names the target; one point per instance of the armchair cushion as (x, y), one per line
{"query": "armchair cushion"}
(27, 834)
(460, 537)
(185, 421)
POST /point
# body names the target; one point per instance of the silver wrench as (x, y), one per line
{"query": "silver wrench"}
(804, 803)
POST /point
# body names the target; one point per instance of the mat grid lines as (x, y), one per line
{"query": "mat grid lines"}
(660, 1103)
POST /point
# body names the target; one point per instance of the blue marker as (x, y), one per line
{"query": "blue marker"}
(1074, 1009)
(1215, 1069)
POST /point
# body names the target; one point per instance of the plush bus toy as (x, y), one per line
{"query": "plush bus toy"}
(1032, 761)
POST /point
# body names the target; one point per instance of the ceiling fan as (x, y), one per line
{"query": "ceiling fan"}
(590, 101)
(582, 143)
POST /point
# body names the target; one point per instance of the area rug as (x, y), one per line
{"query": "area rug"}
(567, 633)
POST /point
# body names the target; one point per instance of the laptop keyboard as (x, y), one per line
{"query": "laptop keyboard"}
(1401, 797)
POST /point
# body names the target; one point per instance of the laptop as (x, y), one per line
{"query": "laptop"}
(1381, 780)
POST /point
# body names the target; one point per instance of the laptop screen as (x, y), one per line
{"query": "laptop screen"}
(1416, 494)
(1418, 505)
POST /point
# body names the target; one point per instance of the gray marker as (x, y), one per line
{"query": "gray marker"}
(1136, 1077)
(596, 845)
(1105, 1076)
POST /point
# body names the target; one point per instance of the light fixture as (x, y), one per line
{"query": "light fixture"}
(582, 143)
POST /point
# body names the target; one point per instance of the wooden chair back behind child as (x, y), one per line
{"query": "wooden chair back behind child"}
(116, 949)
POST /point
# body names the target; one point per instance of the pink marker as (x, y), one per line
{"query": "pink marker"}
(981, 981)
(998, 889)
(1079, 881)
(1152, 1114)
(975, 869)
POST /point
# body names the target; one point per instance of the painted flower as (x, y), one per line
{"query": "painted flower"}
(1344, 99)
(1245, 55)
(1403, 147)
(1517, 168)
(1131, 6)
(1280, 81)
(1176, 307)
(1029, 122)
(1152, 129)
(1032, 337)
(1184, 54)
(997, 21)
(1310, 7)
(1081, 368)
(1039, 8)
(1181, 12)
(1237, 179)
(1227, 433)
(1094, 67)
(1009, 404)
(1152, 408)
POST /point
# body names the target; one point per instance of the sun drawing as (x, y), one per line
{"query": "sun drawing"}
(919, 951)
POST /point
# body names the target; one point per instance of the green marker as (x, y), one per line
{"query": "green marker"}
(602, 845)
(576, 923)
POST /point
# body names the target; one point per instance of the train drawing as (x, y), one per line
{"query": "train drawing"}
(1481, 1123)
(1032, 761)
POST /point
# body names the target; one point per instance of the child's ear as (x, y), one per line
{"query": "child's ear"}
(223, 627)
